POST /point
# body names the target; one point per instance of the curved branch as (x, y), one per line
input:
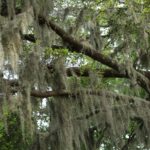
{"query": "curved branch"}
(107, 94)
(47, 94)
(107, 73)
(77, 46)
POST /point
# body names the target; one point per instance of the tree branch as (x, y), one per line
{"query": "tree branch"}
(79, 47)
(107, 73)
(47, 94)
(108, 94)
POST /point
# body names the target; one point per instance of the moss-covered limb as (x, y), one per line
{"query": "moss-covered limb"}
(106, 73)
(142, 77)
(81, 72)
(108, 94)
(48, 94)
(79, 47)
(103, 73)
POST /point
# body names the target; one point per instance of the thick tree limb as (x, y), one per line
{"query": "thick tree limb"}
(47, 94)
(75, 45)
(85, 72)
(77, 71)
(79, 47)
(107, 94)
(107, 73)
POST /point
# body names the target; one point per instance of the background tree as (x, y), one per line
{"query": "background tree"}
(75, 73)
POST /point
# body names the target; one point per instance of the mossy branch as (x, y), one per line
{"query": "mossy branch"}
(79, 47)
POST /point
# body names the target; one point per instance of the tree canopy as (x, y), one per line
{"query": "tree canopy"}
(75, 74)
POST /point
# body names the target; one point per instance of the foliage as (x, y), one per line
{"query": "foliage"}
(11, 134)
